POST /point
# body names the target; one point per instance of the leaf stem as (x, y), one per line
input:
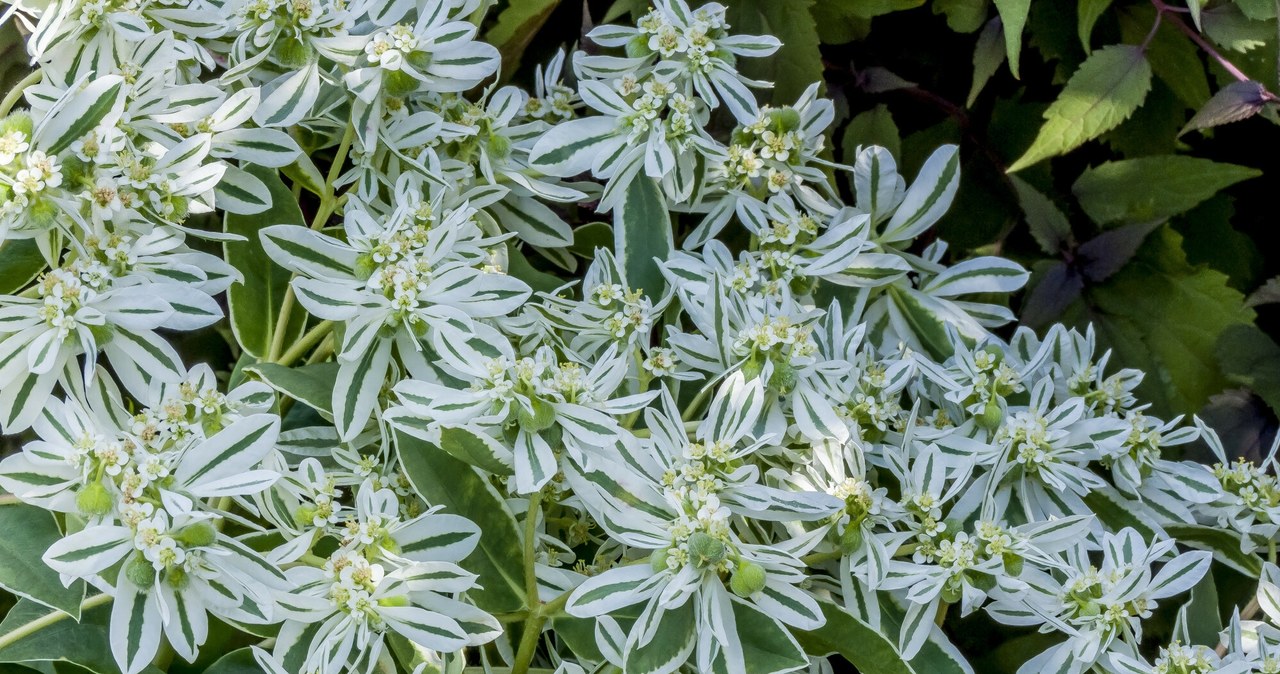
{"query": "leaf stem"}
(1163, 9)
(15, 93)
(313, 337)
(48, 619)
(531, 549)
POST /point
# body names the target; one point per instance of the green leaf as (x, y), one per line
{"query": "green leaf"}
(936, 656)
(1153, 188)
(1117, 511)
(1164, 316)
(1235, 102)
(1249, 357)
(798, 62)
(1013, 14)
(309, 384)
(838, 24)
(515, 27)
(1102, 93)
(1048, 225)
(28, 532)
(1224, 544)
(474, 448)
(443, 480)
(1088, 12)
(766, 646)
(254, 305)
(987, 57)
(872, 127)
(672, 642)
(642, 232)
(963, 16)
(858, 642)
(1174, 58)
(240, 661)
(20, 263)
(519, 267)
(589, 237)
(85, 643)
(1204, 622)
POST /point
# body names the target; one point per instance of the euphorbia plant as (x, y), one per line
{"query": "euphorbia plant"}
(742, 428)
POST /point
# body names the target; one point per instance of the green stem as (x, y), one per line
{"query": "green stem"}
(696, 403)
(313, 336)
(49, 619)
(531, 549)
(15, 93)
(282, 323)
(533, 631)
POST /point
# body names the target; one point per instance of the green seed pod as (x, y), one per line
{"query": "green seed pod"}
(952, 594)
(140, 572)
(542, 417)
(783, 378)
(499, 146)
(706, 550)
(304, 516)
(42, 213)
(291, 52)
(365, 266)
(992, 415)
(17, 121)
(638, 46)
(786, 119)
(747, 579)
(198, 535)
(94, 500)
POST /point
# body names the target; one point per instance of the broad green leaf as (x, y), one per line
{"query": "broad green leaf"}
(515, 27)
(478, 450)
(837, 24)
(443, 480)
(1204, 622)
(1231, 28)
(240, 661)
(589, 237)
(1013, 14)
(310, 384)
(518, 266)
(872, 127)
(20, 263)
(642, 232)
(1153, 188)
(869, 9)
(1164, 316)
(798, 63)
(963, 16)
(1049, 226)
(1174, 58)
(987, 57)
(767, 647)
(936, 656)
(84, 643)
(28, 532)
(1249, 357)
(1088, 12)
(1101, 94)
(858, 642)
(255, 304)
(673, 640)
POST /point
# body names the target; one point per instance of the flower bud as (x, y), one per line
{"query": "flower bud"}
(658, 559)
(783, 378)
(541, 418)
(851, 539)
(747, 579)
(17, 121)
(399, 83)
(93, 499)
(291, 52)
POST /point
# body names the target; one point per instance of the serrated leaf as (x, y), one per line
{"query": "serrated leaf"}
(858, 642)
(1013, 14)
(1088, 12)
(1249, 357)
(1153, 188)
(1049, 226)
(1103, 92)
(254, 305)
(987, 57)
(1235, 102)
(498, 559)
(1163, 316)
(28, 532)
(1174, 58)
(642, 235)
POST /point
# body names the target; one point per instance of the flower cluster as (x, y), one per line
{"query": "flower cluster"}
(429, 448)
